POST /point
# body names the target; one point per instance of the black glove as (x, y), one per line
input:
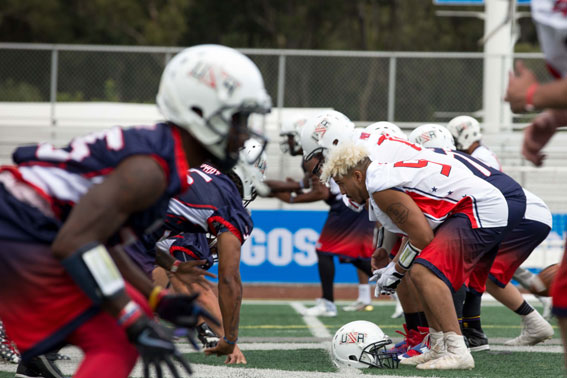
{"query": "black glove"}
(155, 347)
(182, 310)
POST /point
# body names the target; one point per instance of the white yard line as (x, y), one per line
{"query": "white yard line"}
(317, 328)
(202, 370)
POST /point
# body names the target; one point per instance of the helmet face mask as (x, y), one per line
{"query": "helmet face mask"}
(250, 171)
(376, 355)
(290, 133)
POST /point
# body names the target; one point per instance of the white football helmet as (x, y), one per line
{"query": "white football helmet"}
(385, 128)
(324, 131)
(361, 344)
(210, 90)
(465, 130)
(291, 126)
(432, 136)
(252, 175)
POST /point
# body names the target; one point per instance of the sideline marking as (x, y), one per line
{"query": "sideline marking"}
(317, 328)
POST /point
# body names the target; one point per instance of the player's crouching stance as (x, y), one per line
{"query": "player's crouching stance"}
(453, 219)
(61, 210)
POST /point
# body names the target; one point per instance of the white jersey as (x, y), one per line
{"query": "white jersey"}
(488, 157)
(536, 209)
(440, 184)
(550, 18)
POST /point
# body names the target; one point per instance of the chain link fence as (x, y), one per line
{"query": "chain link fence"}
(367, 86)
(405, 88)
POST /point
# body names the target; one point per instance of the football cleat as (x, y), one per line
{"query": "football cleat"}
(457, 356)
(536, 329)
(436, 349)
(322, 307)
(475, 339)
(359, 306)
(39, 366)
(8, 351)
(412, 338)
(207, 336)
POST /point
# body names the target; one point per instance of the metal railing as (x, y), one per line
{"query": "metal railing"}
(401, 87)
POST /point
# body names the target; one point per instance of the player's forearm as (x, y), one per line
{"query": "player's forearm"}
(230, 300)
(551, 95)
(282, 186)
(134, 186)
(131, 272)
(164, 259)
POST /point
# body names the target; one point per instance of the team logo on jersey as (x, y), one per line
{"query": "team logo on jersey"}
(560, 6)
(320, 130)
(352, 337)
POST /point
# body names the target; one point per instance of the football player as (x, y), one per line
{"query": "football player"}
(327, 131)
(345, 234)
(215, 204)
(454, 213)
(65, 211)
(513, 251)
(524, 93)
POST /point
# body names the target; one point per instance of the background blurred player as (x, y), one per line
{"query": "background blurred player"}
(65, 211)
(346, 234)
(525, 93)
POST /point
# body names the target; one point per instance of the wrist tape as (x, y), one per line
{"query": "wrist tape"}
(94, 271)
(408, 255)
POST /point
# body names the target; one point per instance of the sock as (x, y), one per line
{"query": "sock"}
(459, 300)
(423, 320)
(471, 312)
(326, 268)
(412, 320)
(524, 309)
(364, 293)
(524, 277)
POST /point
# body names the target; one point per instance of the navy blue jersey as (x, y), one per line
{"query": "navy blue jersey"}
(47, 181)
(188, 247)
(212, 204)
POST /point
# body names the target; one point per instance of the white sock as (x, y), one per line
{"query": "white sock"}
(364, 293)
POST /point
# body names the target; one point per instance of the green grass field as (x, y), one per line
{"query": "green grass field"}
(278, 341)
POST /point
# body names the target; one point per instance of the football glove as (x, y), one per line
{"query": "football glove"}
(182, 310)
(388, 279)
(155, 347)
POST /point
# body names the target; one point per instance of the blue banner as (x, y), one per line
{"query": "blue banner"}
(282, 248)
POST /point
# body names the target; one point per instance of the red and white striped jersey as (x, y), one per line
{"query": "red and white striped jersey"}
(441, 182)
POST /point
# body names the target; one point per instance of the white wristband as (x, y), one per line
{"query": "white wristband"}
(103, 269)
(408, 255)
